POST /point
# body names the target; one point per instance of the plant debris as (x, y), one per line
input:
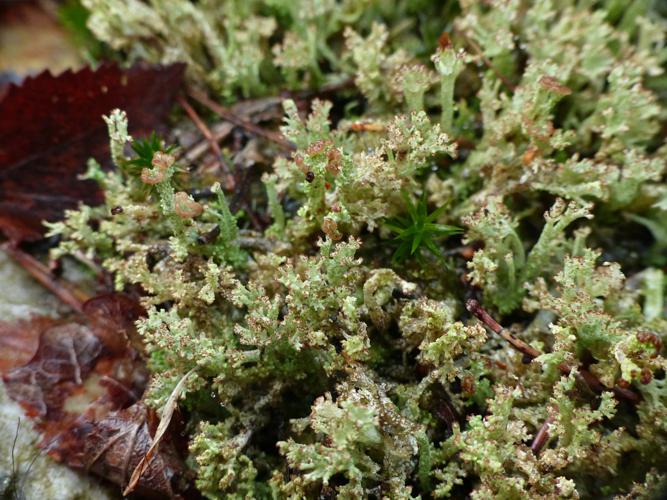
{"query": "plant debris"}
(83, 390)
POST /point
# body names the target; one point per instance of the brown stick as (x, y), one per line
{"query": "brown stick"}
(591, 380)
(475, 308)
(66, 292)
(219, 131)
(230, 183)
(542, 436)
(265, 103)
(275, 137)
(531, 353)
(322, 91)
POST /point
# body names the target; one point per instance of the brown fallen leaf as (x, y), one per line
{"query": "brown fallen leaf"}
(51, 125)
(19, 341)
(84, 350)
(112, 316)
(112, 445)
(83, 386)
(118, 444)
(66, 355)
(142, 470)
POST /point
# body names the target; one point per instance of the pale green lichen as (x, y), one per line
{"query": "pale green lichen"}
(327, 368)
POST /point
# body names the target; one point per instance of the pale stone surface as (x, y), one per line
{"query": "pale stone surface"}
(21, 297)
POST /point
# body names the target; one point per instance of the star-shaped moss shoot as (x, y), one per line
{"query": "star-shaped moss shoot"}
(418, 230)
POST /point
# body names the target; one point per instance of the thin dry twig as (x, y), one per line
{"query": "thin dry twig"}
(332, 88)
(542, 436)
(229, 183)
(239, 121)
(475, 308)
(219, 131)
(531, 353)
(265, 103)
(66, 292)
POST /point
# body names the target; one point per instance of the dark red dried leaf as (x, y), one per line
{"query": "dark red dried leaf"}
(51, 125)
